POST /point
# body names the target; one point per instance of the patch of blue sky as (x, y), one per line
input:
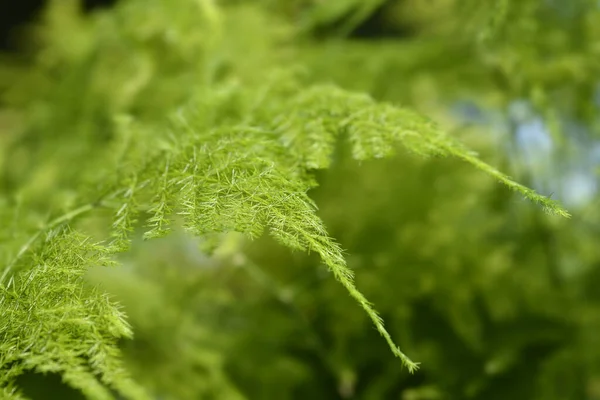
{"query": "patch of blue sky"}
(570, 177)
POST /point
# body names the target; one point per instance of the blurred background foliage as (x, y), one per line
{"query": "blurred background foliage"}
(494, 298)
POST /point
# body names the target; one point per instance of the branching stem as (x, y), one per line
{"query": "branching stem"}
(52, 224)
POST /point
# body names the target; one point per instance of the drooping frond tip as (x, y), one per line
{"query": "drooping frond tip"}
(375, 129)
(549, 206)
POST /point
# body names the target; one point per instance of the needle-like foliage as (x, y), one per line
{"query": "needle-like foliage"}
(158, 113)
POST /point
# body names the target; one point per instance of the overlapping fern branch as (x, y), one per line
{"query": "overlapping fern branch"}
(52, 322)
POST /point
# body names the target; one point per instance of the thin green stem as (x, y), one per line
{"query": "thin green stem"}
(52, 224)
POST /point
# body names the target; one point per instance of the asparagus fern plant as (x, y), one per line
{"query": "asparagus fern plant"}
(159, 114)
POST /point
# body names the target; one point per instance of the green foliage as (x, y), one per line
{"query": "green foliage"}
(156, 118)
(52, 323)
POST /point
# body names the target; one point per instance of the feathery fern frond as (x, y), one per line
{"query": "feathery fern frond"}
(232, 158)
(51, 322)
(237, 177)
(246, 178)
